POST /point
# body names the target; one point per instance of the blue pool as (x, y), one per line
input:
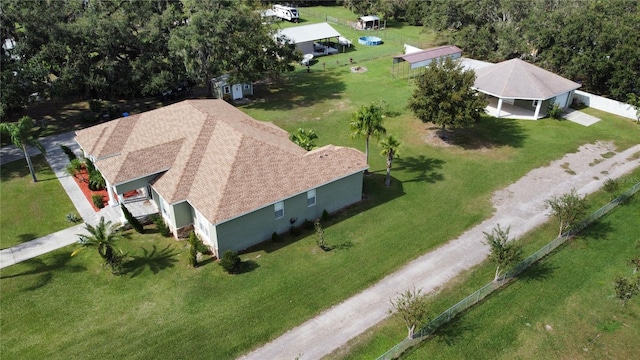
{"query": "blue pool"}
(369, 40)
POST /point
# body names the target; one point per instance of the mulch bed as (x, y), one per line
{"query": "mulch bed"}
(81, 179)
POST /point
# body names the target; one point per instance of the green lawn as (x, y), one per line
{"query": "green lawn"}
(571, 290)
(61, 307)
(30, 210)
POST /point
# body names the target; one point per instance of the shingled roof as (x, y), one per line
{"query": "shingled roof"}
(220, 160)
(517, 79)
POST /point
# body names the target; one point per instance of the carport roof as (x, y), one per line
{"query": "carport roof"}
(432, 53)
(517, 79)
(312, 32)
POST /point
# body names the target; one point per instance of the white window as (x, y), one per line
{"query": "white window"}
(311, 197)
(278, 208)
(534, 103)
(165, 209)
(246, 86)
(226, 89)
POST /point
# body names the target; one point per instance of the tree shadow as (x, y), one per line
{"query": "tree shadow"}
(423, 166)
(489, 133)
(598, 230)
(452, 333)
(541, 270)
(44, 269)
(301, 89)
(155, 260)
(247, 266)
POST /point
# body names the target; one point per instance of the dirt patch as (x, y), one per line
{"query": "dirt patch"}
(358, 69)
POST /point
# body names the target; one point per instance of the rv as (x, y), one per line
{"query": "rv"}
(286, 13)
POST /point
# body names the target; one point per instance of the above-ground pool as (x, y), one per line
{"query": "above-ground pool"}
(369, 40)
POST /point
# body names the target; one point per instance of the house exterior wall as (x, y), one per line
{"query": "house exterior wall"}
(183, 214)
(135, 184)
(250, 229)
(528, 104)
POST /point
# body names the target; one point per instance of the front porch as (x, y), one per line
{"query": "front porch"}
(510, 111)
(139, 209)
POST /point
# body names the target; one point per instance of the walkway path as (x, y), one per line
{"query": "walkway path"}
(520, 206)
(58, 161)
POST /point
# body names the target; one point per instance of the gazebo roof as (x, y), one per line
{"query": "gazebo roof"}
(517, 79)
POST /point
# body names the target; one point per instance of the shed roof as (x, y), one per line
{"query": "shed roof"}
(428, 54)
(369, 18)
(220, 160)
(517, 79)
(306, 33)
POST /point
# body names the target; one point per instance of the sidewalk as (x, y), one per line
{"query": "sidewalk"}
(334, 327)
(58, 161)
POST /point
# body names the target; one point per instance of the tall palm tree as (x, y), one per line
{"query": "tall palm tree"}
(390, 146)
(103, 236)
(22, 135)
(367, 121)
(304, 138)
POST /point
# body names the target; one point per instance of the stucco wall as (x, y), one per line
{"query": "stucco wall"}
(255, 227)
(604, 104)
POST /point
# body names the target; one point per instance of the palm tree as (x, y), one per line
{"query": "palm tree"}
(103, 236)
(367, 121)
(390, 146)
(304, 138)
(22, 135)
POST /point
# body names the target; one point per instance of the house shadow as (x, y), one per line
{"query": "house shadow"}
(489, 133)
(300, 89)
(375, 193)
(424, 168)
(44, 268)
(155, 260)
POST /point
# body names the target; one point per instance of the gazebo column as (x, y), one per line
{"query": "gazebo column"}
(499, 106)
(535, 116)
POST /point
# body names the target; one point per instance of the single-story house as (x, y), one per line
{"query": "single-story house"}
(524, 88)
(419, 59)
(213, 169)
(312, 39)
(221, 89)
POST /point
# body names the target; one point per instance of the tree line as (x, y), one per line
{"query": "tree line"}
(587, 41)
(124, 49)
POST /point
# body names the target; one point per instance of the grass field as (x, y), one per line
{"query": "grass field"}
(30, 210)
(571, 291)
(57, 307)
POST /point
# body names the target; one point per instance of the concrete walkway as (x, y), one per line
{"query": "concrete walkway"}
(58, 161)
(579, 117)
(336, 326)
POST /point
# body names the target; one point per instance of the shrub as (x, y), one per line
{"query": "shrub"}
(70, 154)
(73, 218)
(135, 223)
(193, 249)
(307, 224)
(320, 240)
(325, 216)
(97, 200)
(230, 262)
(162, 227)
(96, 181)
(555, 112)
(275, 237)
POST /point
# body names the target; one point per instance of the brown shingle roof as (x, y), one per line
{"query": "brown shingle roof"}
(518, 79)
(214, 156)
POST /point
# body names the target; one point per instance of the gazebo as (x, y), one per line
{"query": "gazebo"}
(368, 22)
(523, 87)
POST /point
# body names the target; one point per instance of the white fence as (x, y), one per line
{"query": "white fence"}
(604, 104)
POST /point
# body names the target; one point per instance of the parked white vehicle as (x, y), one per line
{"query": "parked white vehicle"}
(286, 13)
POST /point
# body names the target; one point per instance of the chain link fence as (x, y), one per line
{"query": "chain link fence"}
(486, 290)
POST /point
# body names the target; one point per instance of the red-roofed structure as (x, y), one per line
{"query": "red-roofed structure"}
(421, 59)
